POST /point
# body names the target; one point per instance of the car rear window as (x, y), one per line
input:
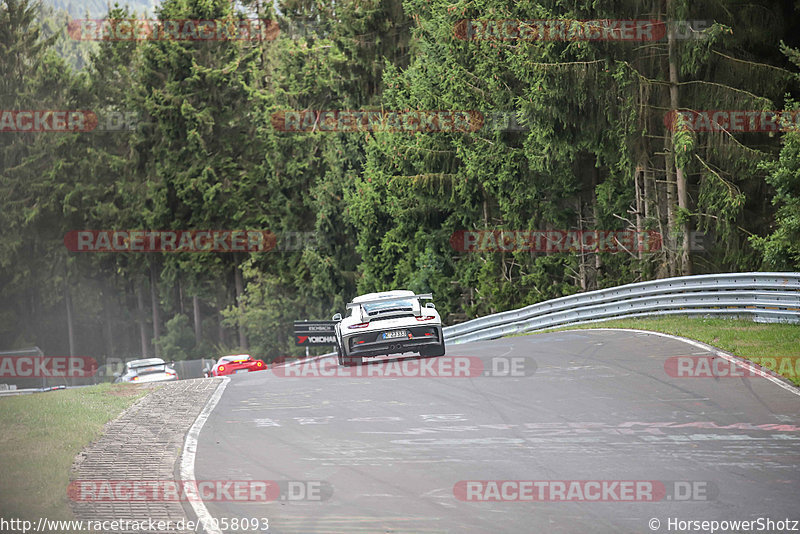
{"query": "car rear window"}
(380, 307)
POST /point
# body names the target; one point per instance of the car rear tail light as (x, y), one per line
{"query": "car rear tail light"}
(259, 364)
(134, 378)
(428, 318)
(221, 368)
(359, 325)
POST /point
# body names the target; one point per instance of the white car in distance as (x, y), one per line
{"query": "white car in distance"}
(391, 322)
(147, 370)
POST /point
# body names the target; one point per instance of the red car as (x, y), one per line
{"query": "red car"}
(239, 363)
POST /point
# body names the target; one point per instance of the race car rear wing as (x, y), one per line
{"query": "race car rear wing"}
(426, 296)
(416, 305)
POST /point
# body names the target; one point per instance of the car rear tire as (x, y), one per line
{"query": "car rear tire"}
(351, 361)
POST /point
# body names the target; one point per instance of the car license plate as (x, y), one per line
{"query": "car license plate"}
(394, 334)
(240, 371)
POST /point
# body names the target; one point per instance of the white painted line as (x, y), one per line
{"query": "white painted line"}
(717, 352)
(187, 463)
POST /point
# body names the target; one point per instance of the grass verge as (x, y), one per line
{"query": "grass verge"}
(743, 338)
(41, 435)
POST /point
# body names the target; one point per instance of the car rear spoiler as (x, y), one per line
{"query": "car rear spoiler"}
(426, 296)
(417, 308)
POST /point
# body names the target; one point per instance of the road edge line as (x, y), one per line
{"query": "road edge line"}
(187, 463)
(732, 358)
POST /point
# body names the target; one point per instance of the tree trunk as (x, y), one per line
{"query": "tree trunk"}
(68, 303)
(668, 237)
(180, 295)
(156, 313)
(581, 253)
(239, 284)
(197, 324)
(29, 311)
(685, 261)
(223, 298)
(107, 315)
(639, 175)
(598, 261)
(222, 339)
(140, 306)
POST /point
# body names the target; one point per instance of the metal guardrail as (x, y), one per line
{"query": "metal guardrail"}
(764, 297)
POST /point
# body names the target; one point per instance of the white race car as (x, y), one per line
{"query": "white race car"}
(147, 370)
(392, 322)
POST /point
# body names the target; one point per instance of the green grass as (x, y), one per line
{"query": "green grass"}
(740, 337)
(40, 435)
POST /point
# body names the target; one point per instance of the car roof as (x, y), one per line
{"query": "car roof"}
(383, 295)
(145, 362)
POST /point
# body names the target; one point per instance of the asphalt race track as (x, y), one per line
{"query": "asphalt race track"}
(387, 454)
